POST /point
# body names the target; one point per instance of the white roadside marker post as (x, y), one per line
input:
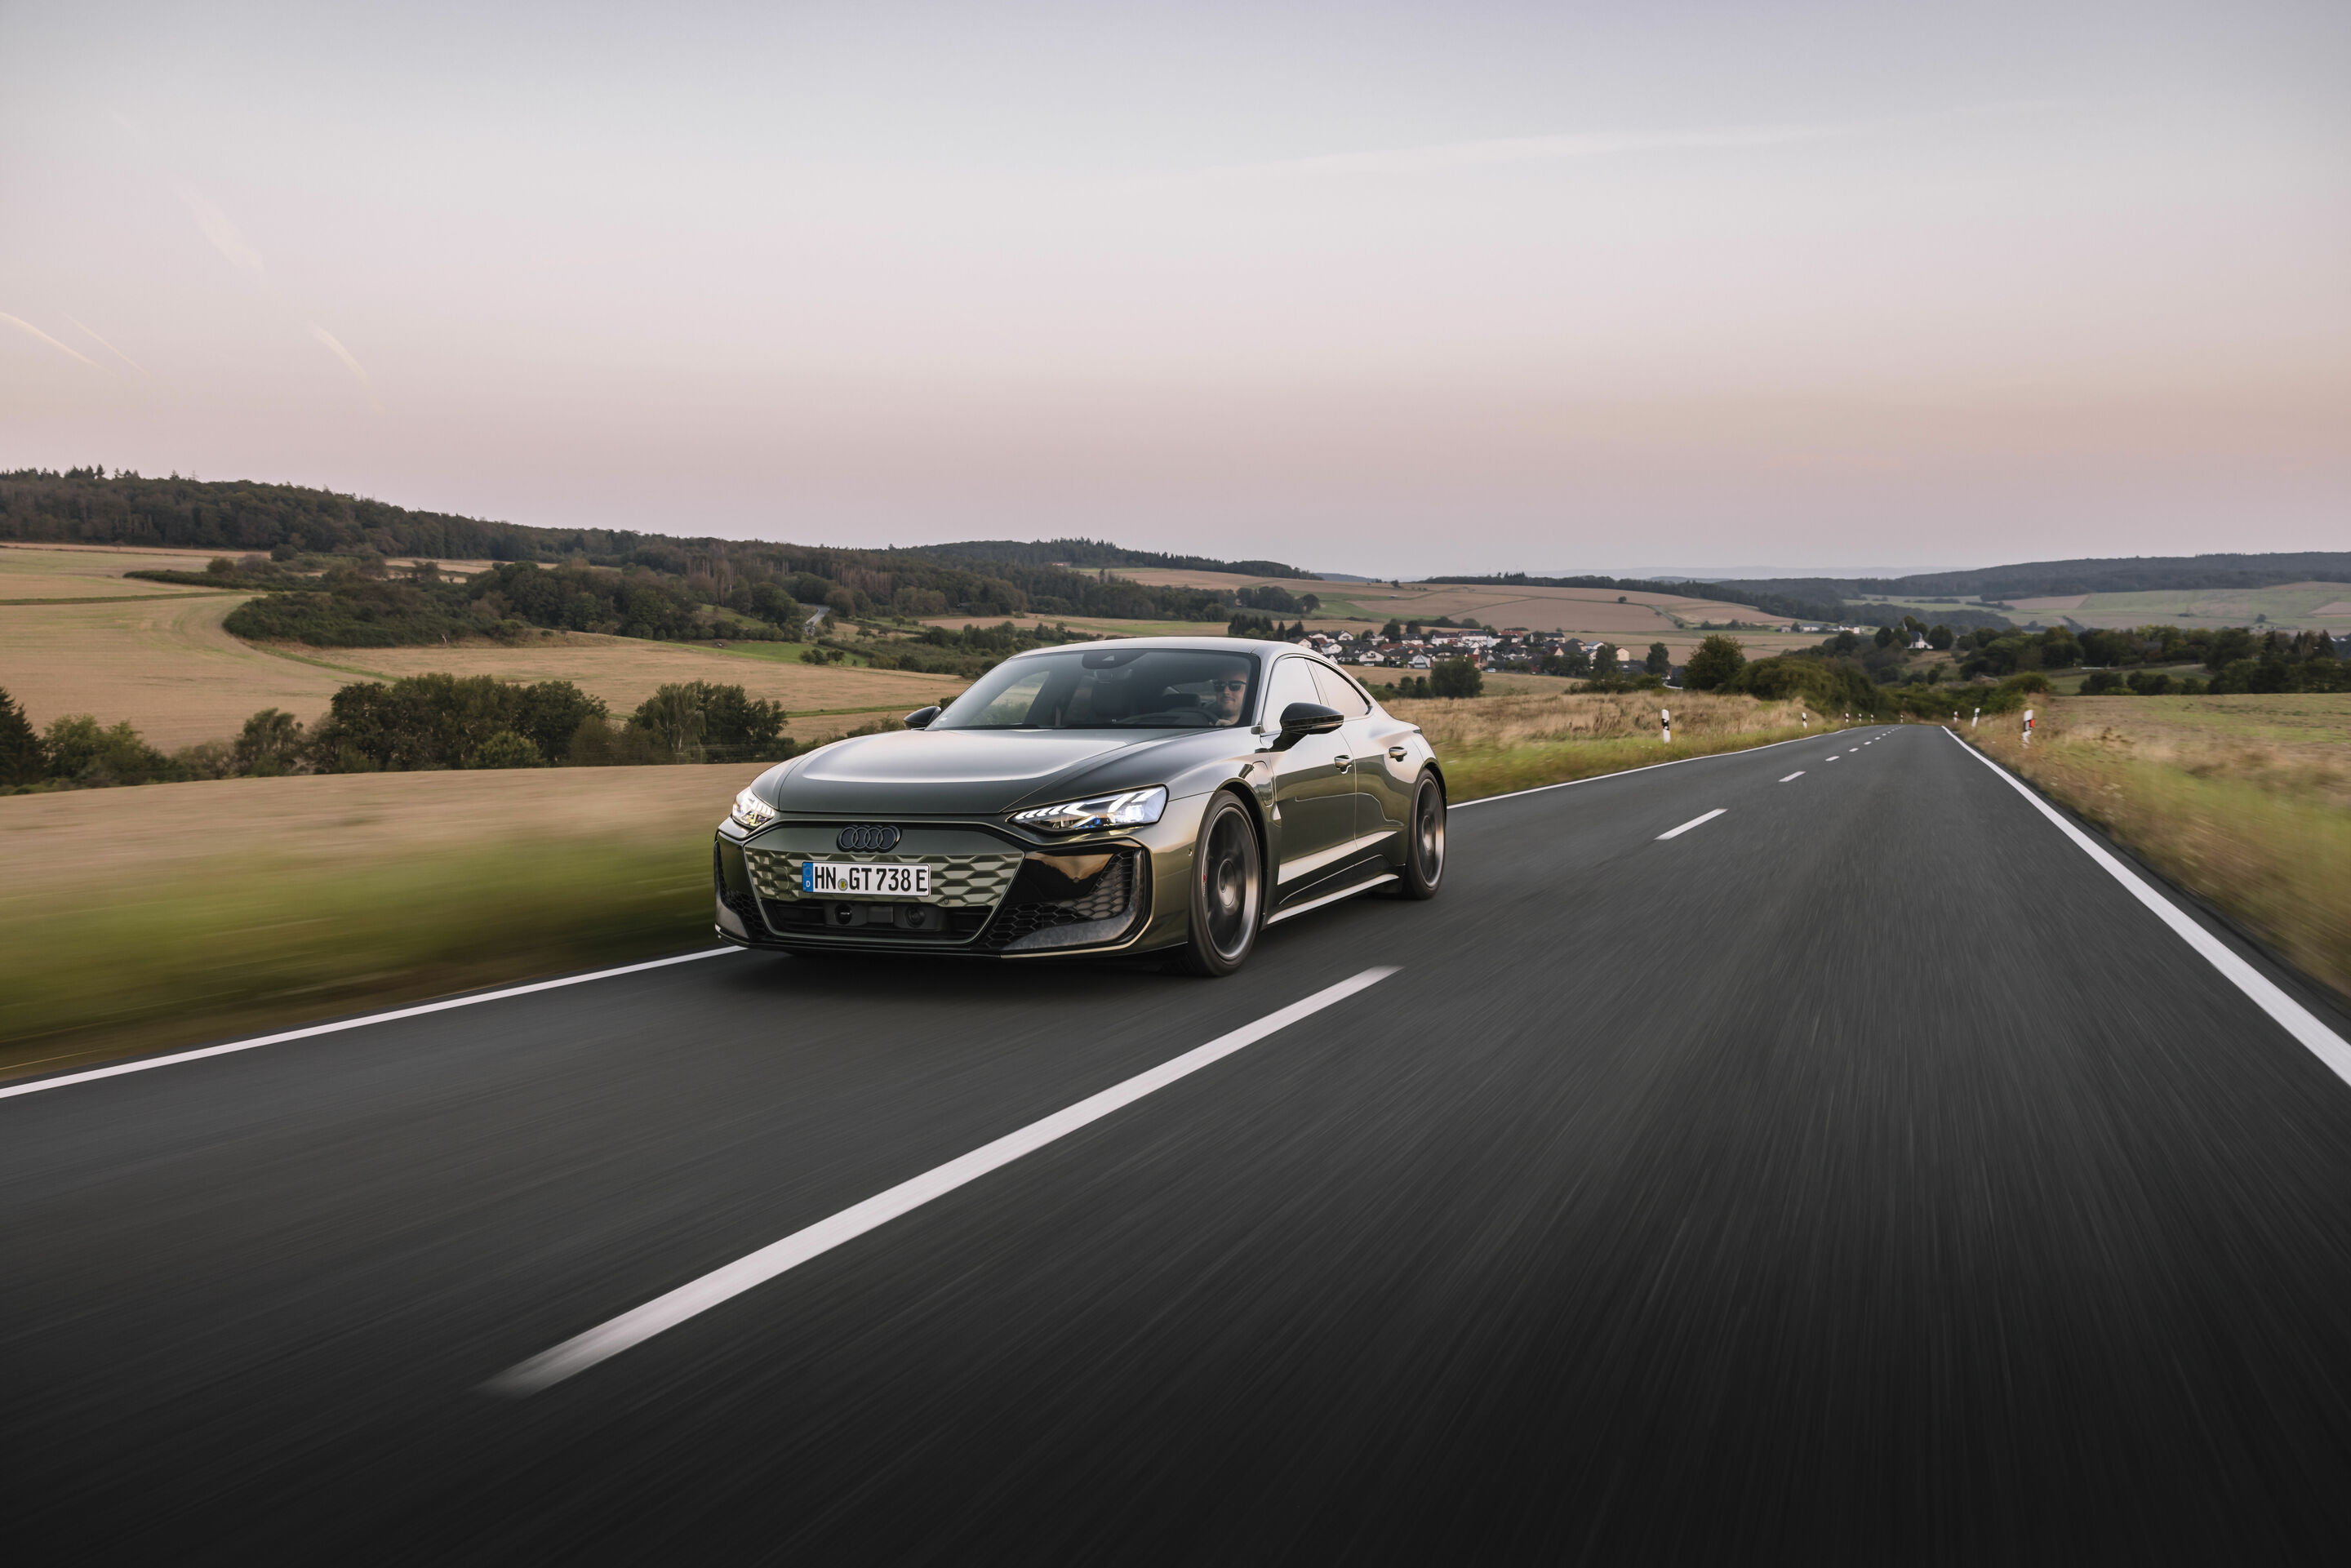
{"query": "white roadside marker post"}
(1977, 720)
(2028, 726)
(1666, 723)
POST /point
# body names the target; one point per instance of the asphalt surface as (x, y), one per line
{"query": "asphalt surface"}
(1861, 1176)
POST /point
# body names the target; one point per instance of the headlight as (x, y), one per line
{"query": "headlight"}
(1134, 808)
(750, 812)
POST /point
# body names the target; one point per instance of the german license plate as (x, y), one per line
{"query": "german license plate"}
(847, 879)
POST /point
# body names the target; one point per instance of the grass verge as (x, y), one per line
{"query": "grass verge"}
(2245, 802)
(278, 941)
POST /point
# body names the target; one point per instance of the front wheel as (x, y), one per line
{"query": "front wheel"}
(1228, 891)
(1423, 842)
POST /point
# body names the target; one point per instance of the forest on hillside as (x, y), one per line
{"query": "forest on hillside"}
(638, 580)
(1094, 554)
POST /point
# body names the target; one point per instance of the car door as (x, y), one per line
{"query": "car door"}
(1381, 804)
(1314, 796)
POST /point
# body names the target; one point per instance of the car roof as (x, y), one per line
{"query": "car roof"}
(1200, 644)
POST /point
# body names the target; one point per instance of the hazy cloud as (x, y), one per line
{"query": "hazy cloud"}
(220, 231)
(359, 371)
(1540, 149)
(44, 337)
(109, 347)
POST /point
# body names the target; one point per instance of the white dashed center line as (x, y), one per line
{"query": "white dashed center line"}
(581, 1352)
(1799, 773)
(1694, 821)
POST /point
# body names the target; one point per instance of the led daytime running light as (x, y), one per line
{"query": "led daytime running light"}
(1130, 809)
(750, 812)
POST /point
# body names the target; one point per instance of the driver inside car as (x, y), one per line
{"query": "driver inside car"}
(1228, 694)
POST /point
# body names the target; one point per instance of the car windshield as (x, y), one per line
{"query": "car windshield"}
(1109, 689)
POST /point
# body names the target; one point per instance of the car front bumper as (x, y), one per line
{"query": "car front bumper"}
(995, 894)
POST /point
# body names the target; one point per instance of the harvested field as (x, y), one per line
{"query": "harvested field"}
(1583, 611)
(171, 670)
(624, 671)
(90, 571)
(167, 667)
(2245, 800)
(1095, 624)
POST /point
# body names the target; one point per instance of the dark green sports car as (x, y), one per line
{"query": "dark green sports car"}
(1151, 795)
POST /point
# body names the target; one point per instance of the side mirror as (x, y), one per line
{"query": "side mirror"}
(921, 718)
(1300, 720)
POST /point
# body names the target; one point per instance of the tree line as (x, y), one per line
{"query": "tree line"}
(297, 526)
(417, 724)
(1097, 554)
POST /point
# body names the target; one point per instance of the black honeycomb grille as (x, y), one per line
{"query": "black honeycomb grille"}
(1105, 895)
(745, 905)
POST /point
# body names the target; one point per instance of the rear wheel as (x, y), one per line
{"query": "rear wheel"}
(1228, 891)
(1424, 841)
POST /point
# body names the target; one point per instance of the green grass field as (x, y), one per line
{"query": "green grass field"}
(2294, 606)
(2068, 683)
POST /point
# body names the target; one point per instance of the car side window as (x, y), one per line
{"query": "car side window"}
(1339, 691)
(1292, 682)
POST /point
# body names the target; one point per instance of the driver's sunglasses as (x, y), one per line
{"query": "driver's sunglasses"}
(1229, 686)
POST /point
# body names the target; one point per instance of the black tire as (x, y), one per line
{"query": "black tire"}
(1423, 842)
(1227, 892)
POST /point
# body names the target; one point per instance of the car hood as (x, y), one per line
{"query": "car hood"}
(975, 772)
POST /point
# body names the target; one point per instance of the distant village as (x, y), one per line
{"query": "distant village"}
(1417, 647)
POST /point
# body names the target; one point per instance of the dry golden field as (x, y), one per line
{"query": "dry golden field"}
(90, 571)
(625, 671)
(169, 669)
(2245, 800)
(1107, 628)
(1587, 613)
(166, 666)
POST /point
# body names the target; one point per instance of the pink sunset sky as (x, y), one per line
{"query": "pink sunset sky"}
(1372, 289)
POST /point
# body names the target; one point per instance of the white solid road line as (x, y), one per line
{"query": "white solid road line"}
(38, 1084)
(1799, 773)
(1694, 821)
(2296, 1019)
(581, 1352)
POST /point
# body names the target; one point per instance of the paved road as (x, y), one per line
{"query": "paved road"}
(1859, 1175)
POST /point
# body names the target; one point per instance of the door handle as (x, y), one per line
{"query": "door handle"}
(1396, 754)
(1343, 762)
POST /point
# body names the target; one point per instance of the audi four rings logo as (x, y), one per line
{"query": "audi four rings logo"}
(870, 837)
